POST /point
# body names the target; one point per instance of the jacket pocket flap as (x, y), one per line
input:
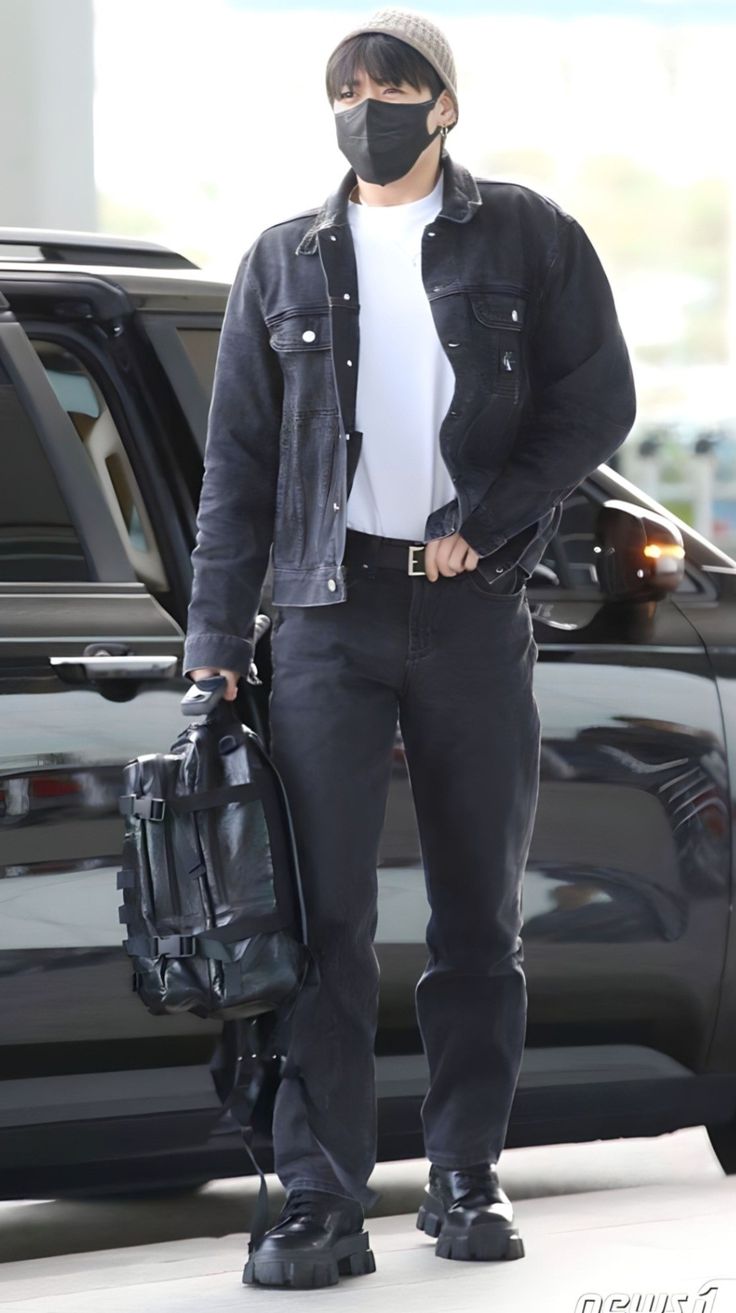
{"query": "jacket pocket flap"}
(499, 309)
(307, 330)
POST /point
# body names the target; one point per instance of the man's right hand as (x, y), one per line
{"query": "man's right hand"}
(206, 672)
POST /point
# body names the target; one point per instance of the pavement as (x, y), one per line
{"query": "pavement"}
(644, 1219)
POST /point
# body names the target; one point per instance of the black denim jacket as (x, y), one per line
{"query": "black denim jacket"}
(544, 393)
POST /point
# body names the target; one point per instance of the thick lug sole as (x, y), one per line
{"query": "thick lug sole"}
(478, 1243)
(349, 1256)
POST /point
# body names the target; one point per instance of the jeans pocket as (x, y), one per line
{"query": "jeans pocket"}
(509, 585)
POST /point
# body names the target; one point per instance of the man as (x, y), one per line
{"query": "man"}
(406, 502)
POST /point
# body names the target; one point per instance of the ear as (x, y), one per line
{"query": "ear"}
(445, 104)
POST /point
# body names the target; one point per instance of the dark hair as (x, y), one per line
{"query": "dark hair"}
(385, 58)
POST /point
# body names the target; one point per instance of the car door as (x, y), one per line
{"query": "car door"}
(627, 887)
(90, 676)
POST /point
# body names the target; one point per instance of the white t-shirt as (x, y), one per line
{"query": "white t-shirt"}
(405, 380)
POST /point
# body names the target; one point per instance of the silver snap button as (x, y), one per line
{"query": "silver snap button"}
(430, 234)
(346, 296)
(331, 585)
(335, 505)
(349, 362)
(453, 343)
(515, 315)
(333, 237)
(499, 569)
(309, 335)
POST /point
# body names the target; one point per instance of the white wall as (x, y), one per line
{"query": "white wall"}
(46, 101)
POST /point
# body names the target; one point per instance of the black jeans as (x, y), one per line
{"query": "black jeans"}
(454, 661)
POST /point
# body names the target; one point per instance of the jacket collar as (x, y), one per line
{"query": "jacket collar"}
(461, 198)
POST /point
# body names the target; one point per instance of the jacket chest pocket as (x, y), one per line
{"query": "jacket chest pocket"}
(498, 329)
(302, 340)
(301, 330)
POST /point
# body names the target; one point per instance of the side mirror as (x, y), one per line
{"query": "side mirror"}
(639, 554)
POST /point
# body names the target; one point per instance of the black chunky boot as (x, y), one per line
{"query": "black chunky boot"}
(317, 1238)
(470, 1214)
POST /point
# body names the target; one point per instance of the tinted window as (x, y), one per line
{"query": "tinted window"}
(38, 542)
(201, 346)
(80, 394)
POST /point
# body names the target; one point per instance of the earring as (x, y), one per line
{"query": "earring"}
(444, 131)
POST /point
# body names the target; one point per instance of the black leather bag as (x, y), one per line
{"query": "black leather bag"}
(212, 897)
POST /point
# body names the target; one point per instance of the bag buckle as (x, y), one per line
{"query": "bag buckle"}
(147, 808)
(174, 946)
(415, 547)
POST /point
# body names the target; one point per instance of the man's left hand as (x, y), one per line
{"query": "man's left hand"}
(448, 556)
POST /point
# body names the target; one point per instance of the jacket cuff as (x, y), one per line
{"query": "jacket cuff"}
(223, 651)
(481, 540)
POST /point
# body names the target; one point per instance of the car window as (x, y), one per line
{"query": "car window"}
(38, 541)
(84, 401)
(201, 346)
(569, 561)
(186, 345)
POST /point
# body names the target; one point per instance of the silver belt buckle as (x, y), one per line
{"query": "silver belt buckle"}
(415, 547)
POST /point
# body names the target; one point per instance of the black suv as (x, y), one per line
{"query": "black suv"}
(107, 353)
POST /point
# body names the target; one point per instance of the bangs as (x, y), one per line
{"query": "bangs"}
(387, 60)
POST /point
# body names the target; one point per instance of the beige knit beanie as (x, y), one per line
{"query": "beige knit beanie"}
(420, 32)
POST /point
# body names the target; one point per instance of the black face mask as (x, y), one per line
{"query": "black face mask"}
(381, 140)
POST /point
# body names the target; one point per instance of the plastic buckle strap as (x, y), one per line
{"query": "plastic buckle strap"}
(151, 809)
(148, 809)
(415, 547)
(216, 949)
(170, 946)
(202, 801)
(176, 946)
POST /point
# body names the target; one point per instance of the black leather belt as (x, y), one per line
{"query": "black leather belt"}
(372, 549)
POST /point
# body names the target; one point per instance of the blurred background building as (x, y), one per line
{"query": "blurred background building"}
(198, 122)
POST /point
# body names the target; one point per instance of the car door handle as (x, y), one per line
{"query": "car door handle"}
(104, 666)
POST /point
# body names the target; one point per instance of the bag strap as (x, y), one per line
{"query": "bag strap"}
(154, 809)
(292, 849)
(204, 943)
(215, 798)
(240, 1100)
(242, 1095)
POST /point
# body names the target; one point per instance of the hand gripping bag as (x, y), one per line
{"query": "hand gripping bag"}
(212, 898)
